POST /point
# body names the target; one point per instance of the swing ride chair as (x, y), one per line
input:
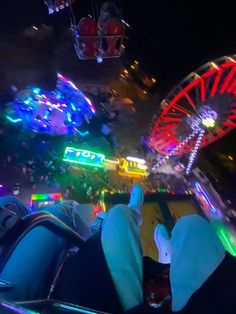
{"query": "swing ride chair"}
(114, 50)
(57, 5)
(97, 36)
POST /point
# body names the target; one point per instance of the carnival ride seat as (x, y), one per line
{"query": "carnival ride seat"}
(93, 40)
(7, 220)
(13, 204)
(11, 211)
(88, 43)
(31, 254)
(114, 31)
(57, 5)
(39, 262)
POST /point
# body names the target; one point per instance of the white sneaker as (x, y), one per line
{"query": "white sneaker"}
(162, 240)
(136, 202)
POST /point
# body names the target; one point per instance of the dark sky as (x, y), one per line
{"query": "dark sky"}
(178, 36)
(171, 37)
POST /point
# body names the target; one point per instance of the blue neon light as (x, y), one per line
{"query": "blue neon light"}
(13, 120)
(83, 133)
(36, 90)
(206, 198)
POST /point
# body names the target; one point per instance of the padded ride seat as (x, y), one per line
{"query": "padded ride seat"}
(113, 30)
(88, 42)
(31, 254)
(8, 220)
(86, 280)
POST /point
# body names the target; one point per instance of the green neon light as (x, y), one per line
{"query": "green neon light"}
(225, 238)
(83, 157)
(41, 197)
(162, 190)
(13, 120)
(83, 163)
(73, 308)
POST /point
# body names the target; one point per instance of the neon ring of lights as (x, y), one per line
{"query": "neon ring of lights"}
(203, 104)
(57, 112)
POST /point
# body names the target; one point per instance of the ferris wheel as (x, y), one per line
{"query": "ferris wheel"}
(197, 112)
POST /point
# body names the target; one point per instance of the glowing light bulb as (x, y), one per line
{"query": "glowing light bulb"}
(208, 122)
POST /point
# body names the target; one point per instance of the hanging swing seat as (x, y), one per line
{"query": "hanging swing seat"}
(57, 5)
(94, 41)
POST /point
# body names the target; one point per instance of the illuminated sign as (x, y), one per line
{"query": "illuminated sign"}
(131, 168)
(135, 159)
(40, 201)
(83, 157)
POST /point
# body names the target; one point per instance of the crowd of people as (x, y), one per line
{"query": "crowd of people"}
(36, 160)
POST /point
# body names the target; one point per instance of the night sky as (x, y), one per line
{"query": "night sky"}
(178, 36)
(170, 37)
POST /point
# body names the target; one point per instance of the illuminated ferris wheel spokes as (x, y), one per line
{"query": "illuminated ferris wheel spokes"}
(212, 86)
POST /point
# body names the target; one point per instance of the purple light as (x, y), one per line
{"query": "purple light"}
(66, 80)
(66, 98)
(17, 309)
(90, 104)
(206, 198)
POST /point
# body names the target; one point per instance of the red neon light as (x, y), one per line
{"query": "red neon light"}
(227, 80)
(203, 91)
(180, 109)
(216, 83)
(168, 127)
(229, 123)
(211, 135)
(182, 93)
(171, 119)
(219, 130)
(204, 140)
(233, 116)
(232, 86)
(190, 100)
(167, 132)
(210, 73)
(228, 64)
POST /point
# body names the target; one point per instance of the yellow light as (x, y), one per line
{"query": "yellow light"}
(214, 65)
(122, 46)
(112, 161)
(153, 80)
(135, 61)
(102, 201)
(230, 158)
(132, 174)
(123, 163)
(122, 75)
(132, 66)
(125, 71)
(142, 167)
(145, 92)
(208, 122)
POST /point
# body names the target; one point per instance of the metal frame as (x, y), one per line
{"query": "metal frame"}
(212, 80)
(100, 38)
